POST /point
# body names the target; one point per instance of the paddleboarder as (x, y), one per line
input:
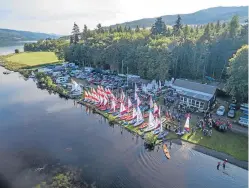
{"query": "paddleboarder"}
(170, 143)
(224, 164)
(218, 166)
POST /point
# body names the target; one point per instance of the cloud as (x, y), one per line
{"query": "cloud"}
(57, 16)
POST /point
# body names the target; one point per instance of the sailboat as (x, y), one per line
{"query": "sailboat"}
(152, 123)
(76, 89)
(186, 126)
(140, 118)
(113, 107)
(151, 103)
(133, 116)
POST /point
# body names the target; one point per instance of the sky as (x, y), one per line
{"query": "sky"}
(58, 16)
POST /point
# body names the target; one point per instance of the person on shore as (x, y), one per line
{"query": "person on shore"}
(170, 143)
(224, 164)
(218, 166)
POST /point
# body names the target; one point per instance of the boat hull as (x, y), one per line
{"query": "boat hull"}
(166, 151)
(138, 123)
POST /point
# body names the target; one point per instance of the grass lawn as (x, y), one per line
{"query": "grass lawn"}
(33, 58)
(235, 145)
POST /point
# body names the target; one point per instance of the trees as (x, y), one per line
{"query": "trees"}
(237, 82)
(17, 51)
(86, 33)
(217, 27)
(234, 26)
(99, 29)
(137, 29)
(75, 33)
(178, 26)
(193, 53)
(186, 31)
(159, 27)
(206, 34)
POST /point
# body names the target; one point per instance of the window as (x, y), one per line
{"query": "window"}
(181, 98)
(202, 105)
(197, 104)
(184, 99)
(193, 102)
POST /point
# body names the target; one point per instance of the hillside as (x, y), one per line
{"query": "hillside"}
(9, 35)
(224, 14)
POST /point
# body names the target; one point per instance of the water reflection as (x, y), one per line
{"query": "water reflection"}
(44, 126)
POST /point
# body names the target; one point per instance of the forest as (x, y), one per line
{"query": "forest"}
(217, 50)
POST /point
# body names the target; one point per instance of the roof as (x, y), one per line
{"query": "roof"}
(194, 86)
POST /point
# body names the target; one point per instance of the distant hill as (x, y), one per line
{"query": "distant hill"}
(224, 14)
(9, 35)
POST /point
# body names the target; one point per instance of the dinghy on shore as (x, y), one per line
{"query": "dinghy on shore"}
(140, 118)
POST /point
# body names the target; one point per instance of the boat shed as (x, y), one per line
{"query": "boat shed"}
(194, 94)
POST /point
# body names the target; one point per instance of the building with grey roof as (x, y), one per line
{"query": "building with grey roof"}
(195, 94)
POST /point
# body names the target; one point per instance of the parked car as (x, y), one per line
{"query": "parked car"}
(221, 111)
(243, 122)
(232, 106)
(231, 113)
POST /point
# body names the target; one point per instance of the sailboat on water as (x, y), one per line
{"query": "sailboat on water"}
(140, 118)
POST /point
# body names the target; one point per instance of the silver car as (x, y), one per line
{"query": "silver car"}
(231, 113)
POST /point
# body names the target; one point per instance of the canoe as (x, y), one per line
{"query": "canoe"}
(166, 151)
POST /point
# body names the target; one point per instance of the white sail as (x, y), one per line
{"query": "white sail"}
(134, 113)
(152, 123)
(155, 108)
(139, 115)
(160, 84)
(129, 103)
(186, 126)
(138, 101)
(135, 95)
(136, 89)
(151, 102)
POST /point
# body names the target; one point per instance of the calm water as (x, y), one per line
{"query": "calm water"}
(8, 49)
(42, 125)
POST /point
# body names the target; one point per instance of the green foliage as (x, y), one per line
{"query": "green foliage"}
(48, 82)
(159, 53)
(178, 26)
(75, 34)
(237, 82)
(150, 138)
(234, 26)
(159, 27)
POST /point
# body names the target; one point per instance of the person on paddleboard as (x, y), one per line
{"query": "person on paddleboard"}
(170, 143)
(218, 166)
(224, 164)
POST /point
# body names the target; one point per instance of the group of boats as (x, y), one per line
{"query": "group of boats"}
(128, 112)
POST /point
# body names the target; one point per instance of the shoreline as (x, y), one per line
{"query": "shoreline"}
(199, 148)
(213, 153)
(196, 147)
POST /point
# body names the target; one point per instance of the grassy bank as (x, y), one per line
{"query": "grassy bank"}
(28, 60)
(230, 143)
